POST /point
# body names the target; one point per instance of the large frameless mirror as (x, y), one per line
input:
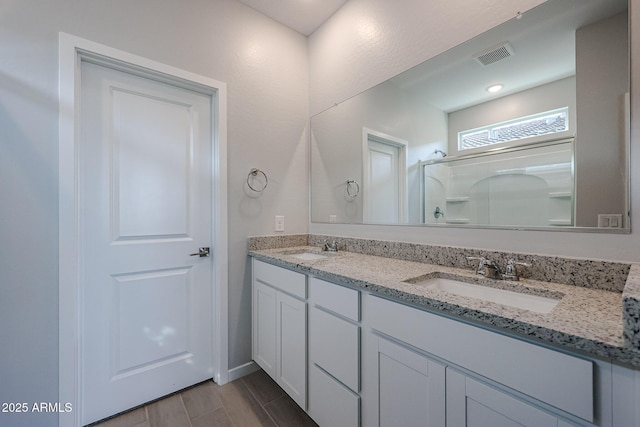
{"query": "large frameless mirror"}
(524, 126)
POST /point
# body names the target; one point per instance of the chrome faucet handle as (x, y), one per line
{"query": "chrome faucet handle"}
(511, 270)
(330, 247)
(492, 270)
(480, 269)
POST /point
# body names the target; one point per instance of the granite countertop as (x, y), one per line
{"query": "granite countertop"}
(586, 320)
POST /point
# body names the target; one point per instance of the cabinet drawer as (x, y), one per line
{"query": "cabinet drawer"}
(336, 298)
(280, 278)
(334, 346)
(331, 403)
(556, 378)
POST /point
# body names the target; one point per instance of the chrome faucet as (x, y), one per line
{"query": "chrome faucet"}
(330, 247)
(511, 270)
(491, 270)
(487, 268)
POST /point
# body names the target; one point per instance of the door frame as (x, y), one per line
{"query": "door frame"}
(72, 51)
(401, 145)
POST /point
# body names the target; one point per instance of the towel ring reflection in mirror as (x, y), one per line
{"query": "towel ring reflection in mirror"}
(254, 176)
(352, 189)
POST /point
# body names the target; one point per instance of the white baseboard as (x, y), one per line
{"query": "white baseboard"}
(242, 370)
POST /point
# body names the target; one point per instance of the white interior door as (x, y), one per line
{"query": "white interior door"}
(146, 305)
(382, 183)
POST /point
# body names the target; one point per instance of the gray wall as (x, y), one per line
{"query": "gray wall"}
(266, 68)
(601, 56)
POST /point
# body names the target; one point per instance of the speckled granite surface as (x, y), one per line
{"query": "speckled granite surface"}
(579, 272)
(631, 308)
(586, 320)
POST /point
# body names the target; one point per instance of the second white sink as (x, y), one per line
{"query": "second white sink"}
(524, 301)
(308, 256)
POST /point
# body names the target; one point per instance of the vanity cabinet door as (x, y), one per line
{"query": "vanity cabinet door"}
(410, 387)
(555, 378)
(279, 328)
(264, 327)
(291, 341)
(471, 403)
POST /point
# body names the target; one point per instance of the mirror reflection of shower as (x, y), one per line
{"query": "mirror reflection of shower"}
(529, 185)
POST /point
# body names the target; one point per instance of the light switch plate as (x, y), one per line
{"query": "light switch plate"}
(279, 223)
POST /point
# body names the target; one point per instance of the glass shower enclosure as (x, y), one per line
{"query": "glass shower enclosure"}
(530, 185)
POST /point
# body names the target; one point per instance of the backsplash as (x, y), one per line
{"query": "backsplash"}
(604, 275)
(278, 241)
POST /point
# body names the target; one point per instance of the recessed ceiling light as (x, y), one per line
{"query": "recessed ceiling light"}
(494, 88)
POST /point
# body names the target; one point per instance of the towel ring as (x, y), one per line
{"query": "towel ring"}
(353, 189)
(253, 173)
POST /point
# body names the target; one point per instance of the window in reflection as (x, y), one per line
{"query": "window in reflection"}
(545, 123)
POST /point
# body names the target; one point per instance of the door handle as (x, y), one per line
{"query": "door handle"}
(202, 252)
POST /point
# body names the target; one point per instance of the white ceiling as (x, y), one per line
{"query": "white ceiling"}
(304, 16)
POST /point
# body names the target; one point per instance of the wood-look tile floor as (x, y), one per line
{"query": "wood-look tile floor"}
(254, 400)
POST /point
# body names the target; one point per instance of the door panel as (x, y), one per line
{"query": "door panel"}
(152, 148)
(411, 387)
(142, 342)
(481, 416)
(471, 403)
(145, 192)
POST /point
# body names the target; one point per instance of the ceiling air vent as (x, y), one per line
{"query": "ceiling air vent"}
(494, 54)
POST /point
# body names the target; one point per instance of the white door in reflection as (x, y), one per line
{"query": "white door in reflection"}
(384, 170)
(146, 205)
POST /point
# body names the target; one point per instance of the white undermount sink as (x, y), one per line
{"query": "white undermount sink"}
(308, 256)
(524, 301)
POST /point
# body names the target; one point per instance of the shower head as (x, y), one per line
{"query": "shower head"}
(442, 153)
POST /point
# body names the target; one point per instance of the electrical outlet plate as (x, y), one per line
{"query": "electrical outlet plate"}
(279, 223)
(333, 219)
(610, 220)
